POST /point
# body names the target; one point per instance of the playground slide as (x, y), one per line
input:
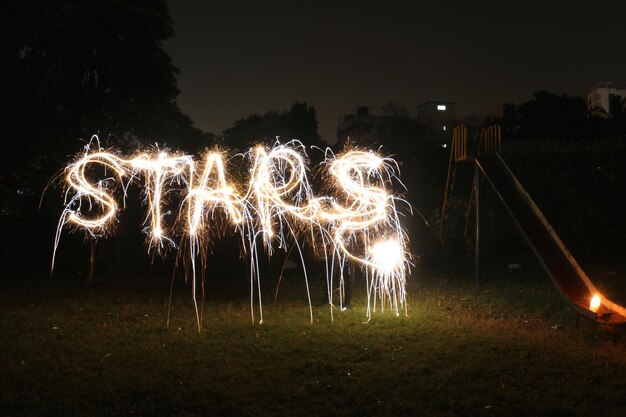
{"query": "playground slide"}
(566, 274)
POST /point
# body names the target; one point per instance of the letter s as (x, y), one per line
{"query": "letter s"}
(77, 179)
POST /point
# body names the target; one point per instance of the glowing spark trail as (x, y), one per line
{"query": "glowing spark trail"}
(159, 172)
(357, 222)
(369, 213)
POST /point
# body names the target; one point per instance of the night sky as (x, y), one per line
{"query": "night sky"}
(237, 58)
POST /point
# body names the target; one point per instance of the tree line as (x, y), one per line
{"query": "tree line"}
(563, 117)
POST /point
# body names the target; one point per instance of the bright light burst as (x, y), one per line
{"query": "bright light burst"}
(357, 221)
(388, 256)
(595, 303)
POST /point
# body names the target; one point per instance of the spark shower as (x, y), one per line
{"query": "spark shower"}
(356, 221)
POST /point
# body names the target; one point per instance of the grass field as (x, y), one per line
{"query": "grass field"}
(511, 347)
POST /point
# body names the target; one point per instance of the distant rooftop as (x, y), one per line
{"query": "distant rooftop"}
(609, 84)
(435, 102)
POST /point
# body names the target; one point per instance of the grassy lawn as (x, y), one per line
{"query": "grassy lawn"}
(511, 347)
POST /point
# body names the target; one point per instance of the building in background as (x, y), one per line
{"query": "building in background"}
(360, 125)
(439, 117)
(599, 97)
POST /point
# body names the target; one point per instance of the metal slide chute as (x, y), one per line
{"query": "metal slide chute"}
(569, 278)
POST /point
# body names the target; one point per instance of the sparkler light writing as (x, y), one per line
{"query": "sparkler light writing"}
(357, 221)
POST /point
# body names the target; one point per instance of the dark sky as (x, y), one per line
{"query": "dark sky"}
(237, 58)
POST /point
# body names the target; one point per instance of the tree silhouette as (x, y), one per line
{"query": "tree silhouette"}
(75, 68)
(96, 66)
(617, 115)
(300, 122)
(550, 116)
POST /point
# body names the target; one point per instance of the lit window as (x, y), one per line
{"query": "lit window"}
(441, 107)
